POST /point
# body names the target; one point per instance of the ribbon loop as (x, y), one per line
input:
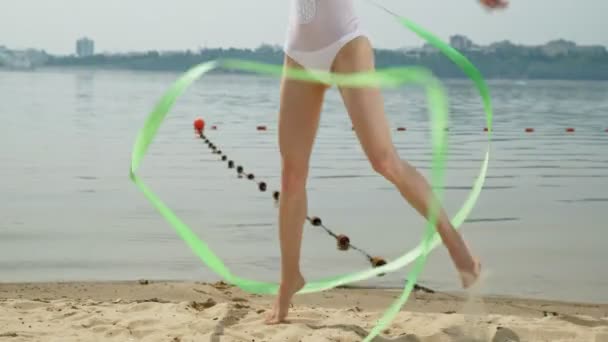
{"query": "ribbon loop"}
(387, 78)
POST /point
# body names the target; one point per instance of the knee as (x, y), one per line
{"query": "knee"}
(293, 176)
(386, 163)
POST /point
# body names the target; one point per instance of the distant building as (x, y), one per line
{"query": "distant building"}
(428, 48)
(559, 47)
(22, 59)
(593, 50)
(85, 47)
(503, 45)
(459, 42)
(411, 52)
(463, 43)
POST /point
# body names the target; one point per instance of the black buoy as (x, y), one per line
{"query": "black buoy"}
(316, 221)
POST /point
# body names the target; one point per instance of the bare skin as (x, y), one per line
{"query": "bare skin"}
(299, 114)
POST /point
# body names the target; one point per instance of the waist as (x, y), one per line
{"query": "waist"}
(315, 24)
(321, 12)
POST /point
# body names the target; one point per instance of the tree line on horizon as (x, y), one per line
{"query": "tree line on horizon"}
(507, 62)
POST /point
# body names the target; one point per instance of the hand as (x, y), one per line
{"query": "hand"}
(493, 4)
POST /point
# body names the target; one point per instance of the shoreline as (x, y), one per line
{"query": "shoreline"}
(53, 285)
(31, 287)
(224, 72)
(190, 311)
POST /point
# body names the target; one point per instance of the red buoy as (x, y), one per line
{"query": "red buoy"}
(569, 129)
(199, 125)
(529, 130)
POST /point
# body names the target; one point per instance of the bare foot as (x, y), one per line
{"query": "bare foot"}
(469, 277)
(466, 264)
(281, 306)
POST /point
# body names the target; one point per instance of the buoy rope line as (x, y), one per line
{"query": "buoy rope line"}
(264, 128)
(343, 241)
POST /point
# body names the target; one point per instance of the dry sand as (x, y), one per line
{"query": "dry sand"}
(180, 312)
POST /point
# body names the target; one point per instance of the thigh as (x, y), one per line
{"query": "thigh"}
(299, 115)
(365, 105)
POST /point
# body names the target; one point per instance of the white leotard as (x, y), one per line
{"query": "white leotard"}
(318, 29)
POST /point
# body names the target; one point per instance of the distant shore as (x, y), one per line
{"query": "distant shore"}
(502, 65)
(502, 61)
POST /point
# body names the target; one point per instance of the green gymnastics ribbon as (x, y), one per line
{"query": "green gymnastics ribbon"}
(390, 77)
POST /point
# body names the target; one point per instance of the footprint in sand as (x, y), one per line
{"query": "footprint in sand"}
(96, 322)
(141, 323)
(469, 333)
(118, 332)
(140, 307)
(362, 333)
(30, 305)
(234, 316)
(8, 334)
(505, 335)
(202, 306)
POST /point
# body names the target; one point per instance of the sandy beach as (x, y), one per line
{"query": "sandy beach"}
(182, 311)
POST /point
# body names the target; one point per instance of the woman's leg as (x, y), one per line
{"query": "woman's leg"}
(366, 110)
(299, 114)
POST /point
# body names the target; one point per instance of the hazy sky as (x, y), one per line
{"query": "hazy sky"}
(126, 25)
